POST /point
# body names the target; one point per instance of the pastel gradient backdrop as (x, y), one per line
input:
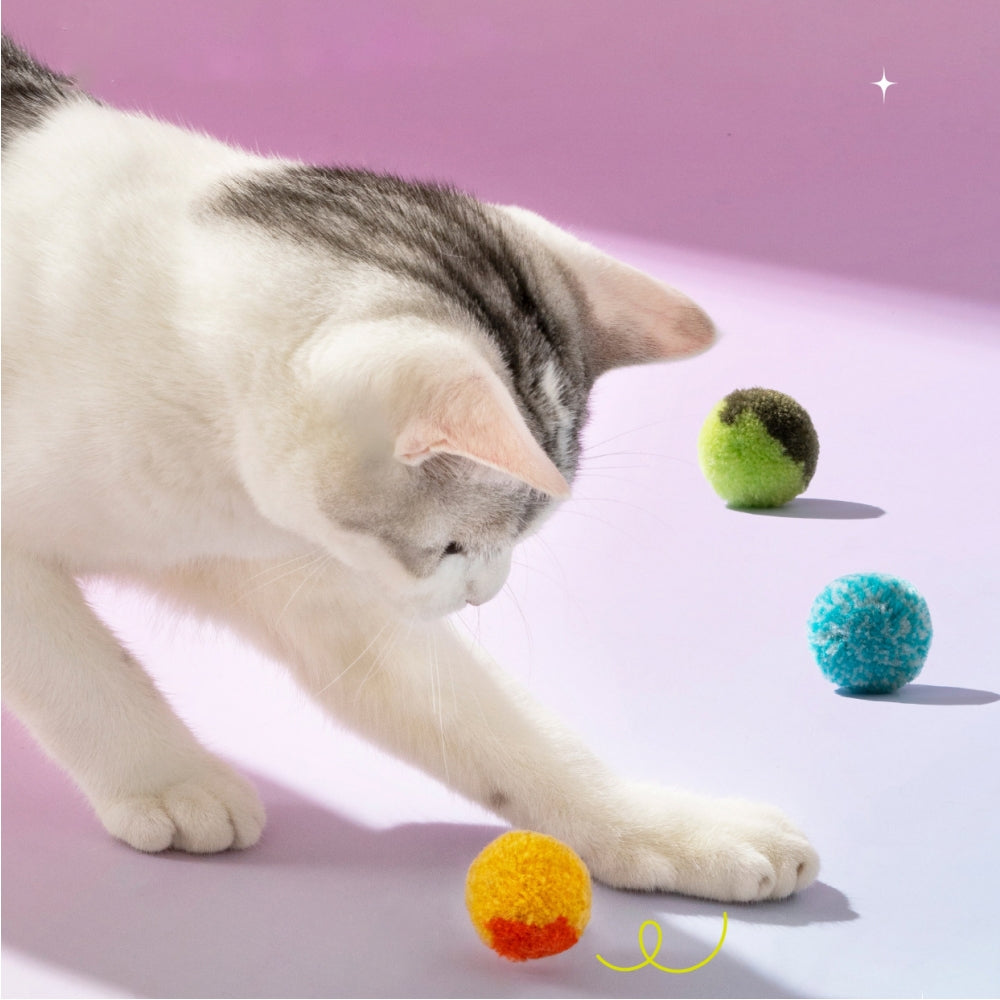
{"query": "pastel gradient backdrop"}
(747, 128)
(848, 249)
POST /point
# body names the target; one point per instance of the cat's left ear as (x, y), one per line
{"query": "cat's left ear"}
(638, 318)
(466, 410)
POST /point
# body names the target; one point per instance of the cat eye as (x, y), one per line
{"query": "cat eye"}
(453, 549)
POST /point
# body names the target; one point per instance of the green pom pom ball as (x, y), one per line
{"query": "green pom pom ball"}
(870, 633)
(758, 448)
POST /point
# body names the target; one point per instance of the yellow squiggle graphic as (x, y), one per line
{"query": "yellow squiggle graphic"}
(651, 958)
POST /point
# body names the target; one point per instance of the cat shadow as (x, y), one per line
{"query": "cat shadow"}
(321, 907)
(813, 508)
(927, 694)
(820, 903)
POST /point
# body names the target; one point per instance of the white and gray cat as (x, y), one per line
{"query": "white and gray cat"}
(215, 364)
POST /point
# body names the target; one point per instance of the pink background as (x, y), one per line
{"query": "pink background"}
(742, 128)
(848, 250)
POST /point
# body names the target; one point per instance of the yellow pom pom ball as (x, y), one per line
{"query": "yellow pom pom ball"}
(528, 895)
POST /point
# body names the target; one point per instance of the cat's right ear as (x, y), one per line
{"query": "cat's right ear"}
(638, 319)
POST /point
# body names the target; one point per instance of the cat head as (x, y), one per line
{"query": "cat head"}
(437, 429)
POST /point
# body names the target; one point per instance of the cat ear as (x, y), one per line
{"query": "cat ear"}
(638, 318)
(472, 414)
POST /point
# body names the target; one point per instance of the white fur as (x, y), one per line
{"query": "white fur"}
(184, 405)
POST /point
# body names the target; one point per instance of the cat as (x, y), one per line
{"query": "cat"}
(220, 368)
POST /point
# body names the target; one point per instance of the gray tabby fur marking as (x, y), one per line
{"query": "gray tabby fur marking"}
(435, 236)
(30, 91)
(445, 241)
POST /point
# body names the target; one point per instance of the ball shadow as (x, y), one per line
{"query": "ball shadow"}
(927, 694)
(817, 509)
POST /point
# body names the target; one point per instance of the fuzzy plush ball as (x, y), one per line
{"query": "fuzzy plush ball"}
(870, 632)
(758, 448)
(528, 895)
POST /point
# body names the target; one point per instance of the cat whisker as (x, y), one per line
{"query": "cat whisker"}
(589, 456)
(451, 684)
(437, 700)
(590, 474)
(272, 567)
(590, 461)
(534, 570)
(553, 557)
(574, 511)
(632, 506)
(498, 746)
(616, 525)
(380, 657)
(353, 662)
(473, 633)
(567, 591)
(512, 594)
(631, 430)
(316, 568)
(301, 563)
(652, 488)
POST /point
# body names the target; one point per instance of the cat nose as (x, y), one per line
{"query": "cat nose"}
(482, 592)
(487, 581)
(477, 593)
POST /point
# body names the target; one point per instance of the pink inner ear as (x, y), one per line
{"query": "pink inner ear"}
(639, 318)
(652, 321)
(477, 419)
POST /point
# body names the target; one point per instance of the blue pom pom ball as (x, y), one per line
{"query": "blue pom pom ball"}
(870, 632)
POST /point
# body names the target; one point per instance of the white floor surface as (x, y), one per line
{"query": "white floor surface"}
(668, 629)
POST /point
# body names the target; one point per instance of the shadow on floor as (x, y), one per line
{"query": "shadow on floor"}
(322, 907)
(927, 694)
(813, 508)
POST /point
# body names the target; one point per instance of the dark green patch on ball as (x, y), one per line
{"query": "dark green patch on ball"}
(784, 419)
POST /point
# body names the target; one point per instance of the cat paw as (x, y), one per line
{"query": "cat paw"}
(213, 809)
(721, 849)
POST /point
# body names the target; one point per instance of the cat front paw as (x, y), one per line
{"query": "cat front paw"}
(212, 809)
(721, 849)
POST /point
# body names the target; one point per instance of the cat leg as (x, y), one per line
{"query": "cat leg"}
(431, 698)
(96, 712)
(422, 692)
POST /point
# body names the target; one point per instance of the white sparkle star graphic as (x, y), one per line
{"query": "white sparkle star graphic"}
(884, 84)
